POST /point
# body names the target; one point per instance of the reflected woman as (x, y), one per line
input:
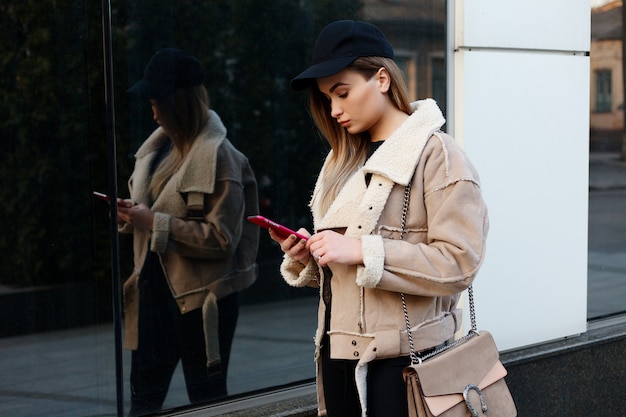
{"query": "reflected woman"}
(190, 193)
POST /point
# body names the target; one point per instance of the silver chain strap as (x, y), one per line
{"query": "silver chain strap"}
(405, 208)
(415, 359)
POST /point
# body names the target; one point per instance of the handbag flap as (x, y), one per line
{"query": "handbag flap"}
(440, 403)
(452, 370)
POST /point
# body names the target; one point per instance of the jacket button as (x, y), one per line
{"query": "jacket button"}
(354, 343)
(356, 354)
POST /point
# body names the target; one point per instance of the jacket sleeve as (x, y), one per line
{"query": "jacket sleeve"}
(443, 249)
(298, 275)
(214, 238)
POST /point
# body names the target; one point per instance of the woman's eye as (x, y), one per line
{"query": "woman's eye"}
(343, 95)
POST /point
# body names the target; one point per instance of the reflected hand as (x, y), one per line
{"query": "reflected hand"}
(139, 216)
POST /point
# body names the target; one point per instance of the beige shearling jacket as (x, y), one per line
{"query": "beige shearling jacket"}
(438, 257)
(213, 254)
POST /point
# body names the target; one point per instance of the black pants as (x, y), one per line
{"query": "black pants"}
(167, 336)
(386, 391)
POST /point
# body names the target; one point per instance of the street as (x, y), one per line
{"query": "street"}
(607, 221)
(606, 293)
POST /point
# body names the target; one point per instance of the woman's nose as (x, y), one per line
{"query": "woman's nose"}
(335, 110)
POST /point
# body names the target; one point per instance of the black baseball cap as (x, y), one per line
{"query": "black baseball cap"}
(167, 70)
(340, 44)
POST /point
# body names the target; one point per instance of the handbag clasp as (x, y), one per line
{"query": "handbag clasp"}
(470, 407)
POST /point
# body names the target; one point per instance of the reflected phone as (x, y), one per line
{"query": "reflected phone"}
(278, 228)
(101, 196)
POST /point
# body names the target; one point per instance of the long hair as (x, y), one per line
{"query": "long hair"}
(349, 151)
(183, 115)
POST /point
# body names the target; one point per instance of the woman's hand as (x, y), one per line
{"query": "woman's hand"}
(328, 246)
(292, 246)
(139, 216)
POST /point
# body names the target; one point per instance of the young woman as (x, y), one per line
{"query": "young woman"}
(384, 152)
(190, 194)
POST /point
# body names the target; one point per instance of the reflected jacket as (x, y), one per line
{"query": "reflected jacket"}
(205, 245)
(437, 258)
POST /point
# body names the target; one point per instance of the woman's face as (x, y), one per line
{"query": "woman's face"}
(357, 104)
(155, 111)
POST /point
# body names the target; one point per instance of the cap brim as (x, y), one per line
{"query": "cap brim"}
(145, 89)
(320, 70)
(139, 88)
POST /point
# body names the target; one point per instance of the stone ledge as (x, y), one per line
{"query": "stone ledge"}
(599, 332)
(296, 401)
(547, 379)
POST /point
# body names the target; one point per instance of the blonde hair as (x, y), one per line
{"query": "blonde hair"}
(349, 151)
(182, 115)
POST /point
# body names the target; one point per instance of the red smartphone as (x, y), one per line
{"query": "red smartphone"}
(101, 196)
(278, 228)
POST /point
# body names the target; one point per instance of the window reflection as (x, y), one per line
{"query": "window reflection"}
(607, 164)
(56, 336)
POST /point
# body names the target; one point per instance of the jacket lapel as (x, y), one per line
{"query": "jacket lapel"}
(358, 207)
(405, 145)
(197, 173)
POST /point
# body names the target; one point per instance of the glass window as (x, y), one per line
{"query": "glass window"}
(438, 79)
(56, 336)
(603, 91)
(607, 165)
(60, 346)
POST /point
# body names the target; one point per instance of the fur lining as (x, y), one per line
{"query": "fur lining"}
(296, 274)
(374, 257)
(360, 377)
(210, 315)
(160, 232)
(411, 137)
(196, 174)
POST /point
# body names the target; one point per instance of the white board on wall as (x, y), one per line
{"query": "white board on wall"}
(526, 124)
(534, 24)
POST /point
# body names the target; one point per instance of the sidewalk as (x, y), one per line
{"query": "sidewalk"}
(606, 268)
(72, 373)
(606, 171)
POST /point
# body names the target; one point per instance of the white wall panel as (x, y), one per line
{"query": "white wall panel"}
(524, 121)
(535, 24)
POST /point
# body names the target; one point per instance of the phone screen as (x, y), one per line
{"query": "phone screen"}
(101, 196)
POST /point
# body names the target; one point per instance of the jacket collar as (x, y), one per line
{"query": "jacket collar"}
(404, 146)
(394, 163)
(197, 173)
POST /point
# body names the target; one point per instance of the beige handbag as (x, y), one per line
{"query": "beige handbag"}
(462, 379)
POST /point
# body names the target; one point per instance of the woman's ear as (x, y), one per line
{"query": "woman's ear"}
(383, 79)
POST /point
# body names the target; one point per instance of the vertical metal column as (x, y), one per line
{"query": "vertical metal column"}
(112, 171)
